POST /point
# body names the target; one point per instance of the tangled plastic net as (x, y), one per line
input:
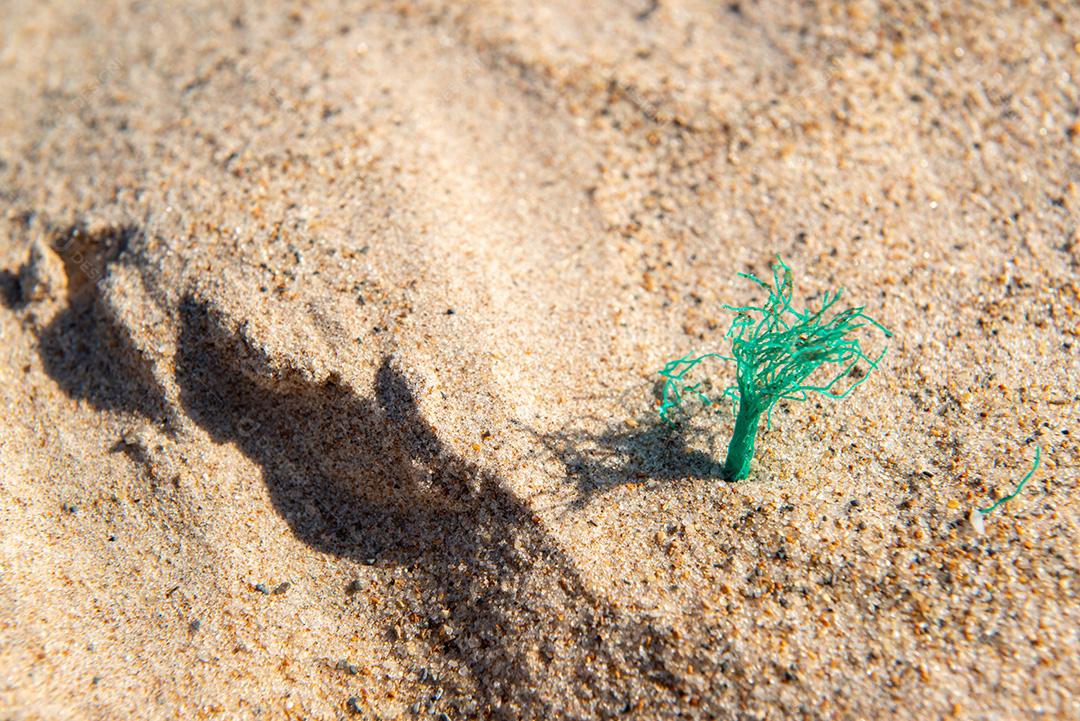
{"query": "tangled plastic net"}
(777, 349)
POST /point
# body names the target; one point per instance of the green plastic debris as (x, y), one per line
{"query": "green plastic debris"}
(1019, 487)
(776, 349)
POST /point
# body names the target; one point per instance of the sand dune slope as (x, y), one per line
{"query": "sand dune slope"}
(329, 340)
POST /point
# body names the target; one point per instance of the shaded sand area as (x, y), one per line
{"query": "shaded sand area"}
(329, 339)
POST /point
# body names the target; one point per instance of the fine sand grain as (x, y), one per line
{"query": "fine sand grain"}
(329, 339)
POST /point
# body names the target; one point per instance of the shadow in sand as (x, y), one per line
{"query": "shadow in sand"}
(10, 293)
(368, 479)
(86, 351)
(643, 449)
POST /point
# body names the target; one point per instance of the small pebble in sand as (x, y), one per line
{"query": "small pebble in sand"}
(976, 519)
(195, 625)
(344, 665)
(281, 588)
(353, 705)
(262, 588)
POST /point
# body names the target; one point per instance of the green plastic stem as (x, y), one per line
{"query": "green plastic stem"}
(741, 448)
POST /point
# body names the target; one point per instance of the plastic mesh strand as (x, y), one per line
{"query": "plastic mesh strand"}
(777, 349)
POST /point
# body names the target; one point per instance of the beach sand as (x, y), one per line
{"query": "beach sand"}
(329, 347)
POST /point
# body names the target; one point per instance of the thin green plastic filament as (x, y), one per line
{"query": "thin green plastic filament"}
(776, 349)
(674, 388)
(1014, 494)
